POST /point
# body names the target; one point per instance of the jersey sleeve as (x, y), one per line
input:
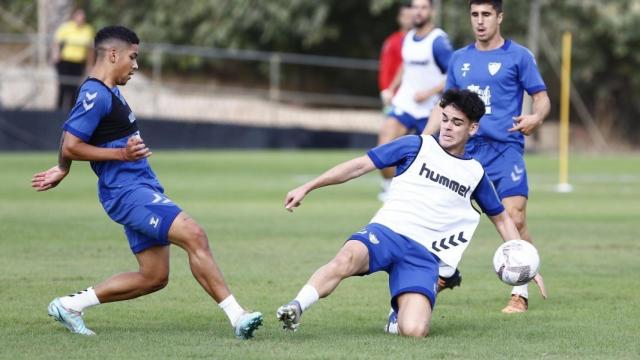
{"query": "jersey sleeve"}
(451, 77)
(442, 51)
(60, 33)
(93, 104)
(487, 198)
(399, 152)
(530, 77)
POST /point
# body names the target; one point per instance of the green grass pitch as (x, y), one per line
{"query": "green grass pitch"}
(61, 241)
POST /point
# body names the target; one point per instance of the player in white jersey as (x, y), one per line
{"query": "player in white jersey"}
(428, 217)
(418, 83)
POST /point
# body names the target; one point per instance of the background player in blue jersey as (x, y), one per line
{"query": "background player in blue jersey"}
(500, 71)
(429, 199)
(102, 129)
(419, 81)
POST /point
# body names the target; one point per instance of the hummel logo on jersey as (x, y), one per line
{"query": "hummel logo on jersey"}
(443, 244)
(494, 67)
(89, 105)
(465, 67)
(132, 117)
(373, 239)
(154, 221)
(516, 174)
(452, 185)
(157, 198)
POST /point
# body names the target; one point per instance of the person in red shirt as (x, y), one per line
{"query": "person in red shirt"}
(390, 54)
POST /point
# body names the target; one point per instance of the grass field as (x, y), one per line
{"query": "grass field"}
(58, 242)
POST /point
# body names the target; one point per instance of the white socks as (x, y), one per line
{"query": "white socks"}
(232, 309)
(522, 290)
(385, 184)
(80, 301)
(307, 296)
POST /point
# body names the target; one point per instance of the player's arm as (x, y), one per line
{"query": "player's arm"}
(337, 175)
(505, 226)
(528, 124)
(423, 95)
(75, 148)
(387, 94)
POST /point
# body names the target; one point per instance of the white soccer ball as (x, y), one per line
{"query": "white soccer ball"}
(516, 262)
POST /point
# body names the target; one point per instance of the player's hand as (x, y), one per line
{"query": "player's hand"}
(386, 95)
(540, 282)
(135, 150)
(422, 95)
(526, 124)
(48, 179)
(294, 198)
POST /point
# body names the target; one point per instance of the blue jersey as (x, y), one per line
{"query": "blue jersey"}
(101, 117)
(500, 77)
(402, 152)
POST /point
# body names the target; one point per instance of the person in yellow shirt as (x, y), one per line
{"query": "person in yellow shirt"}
(72, 54)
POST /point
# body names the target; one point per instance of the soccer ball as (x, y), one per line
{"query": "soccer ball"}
(516, 262)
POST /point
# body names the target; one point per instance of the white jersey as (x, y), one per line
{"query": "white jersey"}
(421, 72)
(430, 202)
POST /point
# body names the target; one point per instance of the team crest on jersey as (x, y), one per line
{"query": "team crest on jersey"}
(465, 68)
(373, 239)
(494, 67)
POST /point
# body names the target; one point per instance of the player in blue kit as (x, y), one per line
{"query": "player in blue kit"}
(500, 71)
(102, 129)
(428, 218)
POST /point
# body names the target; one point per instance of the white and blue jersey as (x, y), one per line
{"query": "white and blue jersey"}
(425, 61)
(128, 190)
(500, 77)
(430, 198)
(428, 217)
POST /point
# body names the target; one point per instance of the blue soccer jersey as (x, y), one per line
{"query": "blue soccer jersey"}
(500, 77)
(101, 117)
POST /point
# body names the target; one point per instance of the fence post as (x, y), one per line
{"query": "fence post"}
(156, 78)
(274, 76)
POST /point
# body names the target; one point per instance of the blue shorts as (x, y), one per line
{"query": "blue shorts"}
(504, 165)
(411, 267)
(412, 124)
(146, 215)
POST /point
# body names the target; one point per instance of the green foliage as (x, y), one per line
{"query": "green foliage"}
(60, 241)
(606, 38)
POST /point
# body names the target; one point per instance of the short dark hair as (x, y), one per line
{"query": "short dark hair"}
(115, 32)
(497, 4)
(466, 101)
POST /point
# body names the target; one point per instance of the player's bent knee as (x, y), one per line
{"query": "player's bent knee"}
(196, 238)
(412, 328)
(156, 283)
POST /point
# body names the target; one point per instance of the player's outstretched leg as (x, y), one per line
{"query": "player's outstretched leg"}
(71, 319)
(352, 259)
(186, 233)
(247, 324)
(289, 314)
